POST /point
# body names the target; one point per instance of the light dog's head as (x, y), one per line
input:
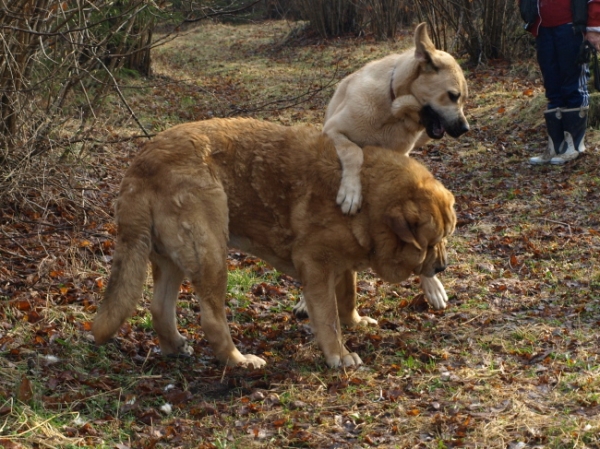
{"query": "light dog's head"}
(440, 88)
(415, 224)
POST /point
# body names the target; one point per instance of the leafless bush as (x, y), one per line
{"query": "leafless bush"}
(60, 61)
(483, 29)
(330, 18)
(382, 17)
(51, 51)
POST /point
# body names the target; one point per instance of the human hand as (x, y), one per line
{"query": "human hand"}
(593, 38)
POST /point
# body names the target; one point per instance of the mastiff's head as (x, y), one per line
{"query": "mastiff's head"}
(416, 219)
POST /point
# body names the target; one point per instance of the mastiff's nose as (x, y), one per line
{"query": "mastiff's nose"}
(439, 268)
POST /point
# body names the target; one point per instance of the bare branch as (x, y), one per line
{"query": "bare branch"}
(222, 12)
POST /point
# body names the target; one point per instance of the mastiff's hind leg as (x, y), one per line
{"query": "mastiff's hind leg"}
(209, 278)
(203, 229)
(167, 281)
(300, 311)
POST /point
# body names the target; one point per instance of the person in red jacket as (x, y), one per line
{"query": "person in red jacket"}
(560, 28)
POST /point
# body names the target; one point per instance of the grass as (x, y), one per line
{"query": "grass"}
(513, 362)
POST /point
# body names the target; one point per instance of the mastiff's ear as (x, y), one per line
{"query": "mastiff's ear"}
(397, 220)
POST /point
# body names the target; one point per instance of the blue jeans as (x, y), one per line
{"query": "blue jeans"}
(565, 80)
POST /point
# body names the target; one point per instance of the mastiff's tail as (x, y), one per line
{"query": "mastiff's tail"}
(129, 269)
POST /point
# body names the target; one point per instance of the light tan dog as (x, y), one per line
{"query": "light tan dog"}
(267, 190)
(395, 102)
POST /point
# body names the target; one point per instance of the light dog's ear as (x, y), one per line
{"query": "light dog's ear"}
(423, 45)
(396, 220)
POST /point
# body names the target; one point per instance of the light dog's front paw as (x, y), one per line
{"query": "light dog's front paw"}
(349, 196)
(348, 359)
(434, 292)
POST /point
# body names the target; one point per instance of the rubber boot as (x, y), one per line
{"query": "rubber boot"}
(556, 137)
(574, 125)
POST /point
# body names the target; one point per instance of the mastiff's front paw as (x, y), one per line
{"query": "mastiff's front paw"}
(252, 361)
(434, 292)
(348, 359)
(175, 346)
(236, 358)
(354, 319)
(186, 352)
(366, 321)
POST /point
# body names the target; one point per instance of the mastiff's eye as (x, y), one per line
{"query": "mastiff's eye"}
(454, 96)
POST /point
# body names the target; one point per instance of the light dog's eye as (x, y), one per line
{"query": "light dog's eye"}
(454, 96)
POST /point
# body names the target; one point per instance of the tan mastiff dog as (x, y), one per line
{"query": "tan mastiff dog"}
(266, 189)
(396, 102)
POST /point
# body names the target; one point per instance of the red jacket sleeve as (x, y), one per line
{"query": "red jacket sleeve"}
(593, 15)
